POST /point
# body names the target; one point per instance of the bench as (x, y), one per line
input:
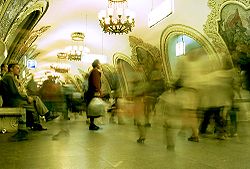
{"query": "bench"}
(9, 117)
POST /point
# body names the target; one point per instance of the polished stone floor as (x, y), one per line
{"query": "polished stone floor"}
(70, 145)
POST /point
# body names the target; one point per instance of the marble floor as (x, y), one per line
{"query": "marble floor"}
(70, 145)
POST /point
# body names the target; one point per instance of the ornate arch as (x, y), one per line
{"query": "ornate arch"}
(138, 43)
(178, 29)
(122, 78)
(18, 21)
(110, 74)
(144, 54)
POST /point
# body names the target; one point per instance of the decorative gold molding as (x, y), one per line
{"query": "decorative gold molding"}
(9, 12)
(122, 57)
(110, 73)
(211, 26)
(143, 54)
(3, 6)
(26, 44)
(32, 6)
(38, 7)
(149, 62)
(137, 42)
(178, 29)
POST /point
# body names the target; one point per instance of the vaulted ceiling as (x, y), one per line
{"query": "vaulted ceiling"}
(67, 16)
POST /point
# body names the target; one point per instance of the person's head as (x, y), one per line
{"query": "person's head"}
(96, 64)
(14, 68)
(4, 68)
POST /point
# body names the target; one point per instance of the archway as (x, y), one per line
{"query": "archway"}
(171, 35)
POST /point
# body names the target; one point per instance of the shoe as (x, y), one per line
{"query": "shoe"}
(194, 139)
(21, 135)
(94, 127)
(38, 127)
(141, 140)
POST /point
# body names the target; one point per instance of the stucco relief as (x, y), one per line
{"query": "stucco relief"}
(110, 76)
(146, 55)
(25, 45)
(228, 25)
(125, 68)
(22, 24)
(141, 66)
(9, 14)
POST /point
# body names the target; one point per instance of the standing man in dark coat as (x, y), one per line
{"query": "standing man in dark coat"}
(94, 90)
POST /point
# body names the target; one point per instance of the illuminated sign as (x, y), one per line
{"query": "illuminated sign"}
(31, 64)
(160, 12)
(180, 48)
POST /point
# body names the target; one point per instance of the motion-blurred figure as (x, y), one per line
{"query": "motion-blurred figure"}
(217, 96)
(139, 89)
(189, 71)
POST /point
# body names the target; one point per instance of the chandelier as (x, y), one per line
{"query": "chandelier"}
(61, 67)
(77, 50)
(117, 18)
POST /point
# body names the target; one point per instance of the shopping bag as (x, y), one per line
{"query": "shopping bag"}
(96, 107)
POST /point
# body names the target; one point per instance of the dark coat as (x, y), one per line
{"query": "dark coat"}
(10, 94)
(94, 85)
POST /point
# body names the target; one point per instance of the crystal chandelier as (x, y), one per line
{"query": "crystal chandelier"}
(77, 50)
(117, 19)
(61, 67)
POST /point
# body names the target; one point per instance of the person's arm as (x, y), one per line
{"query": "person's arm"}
(13, 90)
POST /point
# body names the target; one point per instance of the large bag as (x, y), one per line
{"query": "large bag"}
(96, 107)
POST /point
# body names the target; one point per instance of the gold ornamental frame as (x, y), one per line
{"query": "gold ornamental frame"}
(150, 61)
(116, 58)
(211, 26)
(20, 29)
(179, 29)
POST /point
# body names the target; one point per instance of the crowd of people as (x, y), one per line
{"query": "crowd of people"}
(198, 92)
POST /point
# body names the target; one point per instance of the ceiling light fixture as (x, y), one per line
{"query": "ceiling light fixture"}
(61, 67)
(117, 19)
(77, 50)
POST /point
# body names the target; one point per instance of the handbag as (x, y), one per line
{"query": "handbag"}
(96, 107)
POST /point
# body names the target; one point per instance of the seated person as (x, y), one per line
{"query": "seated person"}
(4, 69)
(13, 97)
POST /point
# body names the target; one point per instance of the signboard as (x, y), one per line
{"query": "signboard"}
(31, 64)
(180, 48)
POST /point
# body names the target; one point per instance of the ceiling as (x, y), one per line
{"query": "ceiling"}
(67, 16)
